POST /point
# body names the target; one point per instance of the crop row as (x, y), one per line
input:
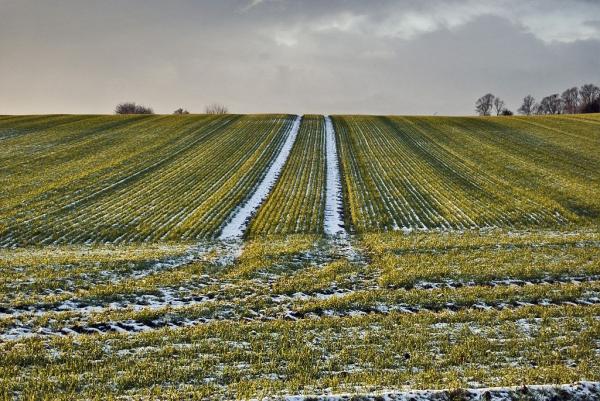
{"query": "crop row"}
(296, 203)
(77, 179)
(185, 190)
(65, 161)
(461, 173)
(552, 160)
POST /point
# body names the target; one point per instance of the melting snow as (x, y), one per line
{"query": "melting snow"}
(581, 391)
(237, 225)
(334, 224)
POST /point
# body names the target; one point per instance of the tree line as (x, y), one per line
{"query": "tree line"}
(585, 99)
(133, 108)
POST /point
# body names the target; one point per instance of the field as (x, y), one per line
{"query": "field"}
(123, 179)
(469, 256)
(464, 173)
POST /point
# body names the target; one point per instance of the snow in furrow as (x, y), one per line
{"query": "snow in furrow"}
(79, 320)
(334, 223)
(580, 391)
(238, 223)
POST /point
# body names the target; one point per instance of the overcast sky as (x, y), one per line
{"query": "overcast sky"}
(337, 56)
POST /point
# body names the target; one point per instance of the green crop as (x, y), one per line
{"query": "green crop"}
(472, 257)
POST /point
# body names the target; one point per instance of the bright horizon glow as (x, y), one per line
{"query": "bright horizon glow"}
(297, 57)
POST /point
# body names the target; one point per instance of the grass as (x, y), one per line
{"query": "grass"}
(473, 258)
(122, 179)
(297, 202)
(296, 309)
(476, 257)
(241, 360)
(469, 172)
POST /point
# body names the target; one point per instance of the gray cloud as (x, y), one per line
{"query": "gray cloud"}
(400, 57)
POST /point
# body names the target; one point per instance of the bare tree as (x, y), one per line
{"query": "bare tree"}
(543, 106)
(590, 98)
(528, 106)
(483, 105)
(498, 105)
(551, 104)
(570, 100)
(556, 105)
(216, 108)
(132, 108)
(181, 111)
(589, 93)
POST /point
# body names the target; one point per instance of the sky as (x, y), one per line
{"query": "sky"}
(292, 56)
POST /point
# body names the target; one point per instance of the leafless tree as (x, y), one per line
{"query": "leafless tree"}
(556, 104)
(570, 100)
(498, 105)
(527, 108)
(132, 108)
(590, 98)
(483, 105)
(551, 104)
(181, 111)
(216, 108)
(589, 93)
(543, 106)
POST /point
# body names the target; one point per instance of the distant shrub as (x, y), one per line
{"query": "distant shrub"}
(506, 112)
(132, 108)
(216, 108)
(181, 111)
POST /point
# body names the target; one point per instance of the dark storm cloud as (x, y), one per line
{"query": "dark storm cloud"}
(398, 57)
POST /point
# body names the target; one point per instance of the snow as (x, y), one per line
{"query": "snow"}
(23, 328)
(580, 391)
(334, 223)
(237, 225)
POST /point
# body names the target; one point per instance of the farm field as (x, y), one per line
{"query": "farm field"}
(129, 179)
(296, 203)
(468, 257)
(137, 179)
(463, 173)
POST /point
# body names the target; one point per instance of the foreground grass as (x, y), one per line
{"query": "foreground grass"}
(299, 315)
(236, 359)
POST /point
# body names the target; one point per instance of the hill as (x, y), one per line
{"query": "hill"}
(96, 179)
(250, 256)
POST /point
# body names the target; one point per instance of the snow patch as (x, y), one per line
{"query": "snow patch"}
(238, 223)
(334, 223)
(581, 391)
